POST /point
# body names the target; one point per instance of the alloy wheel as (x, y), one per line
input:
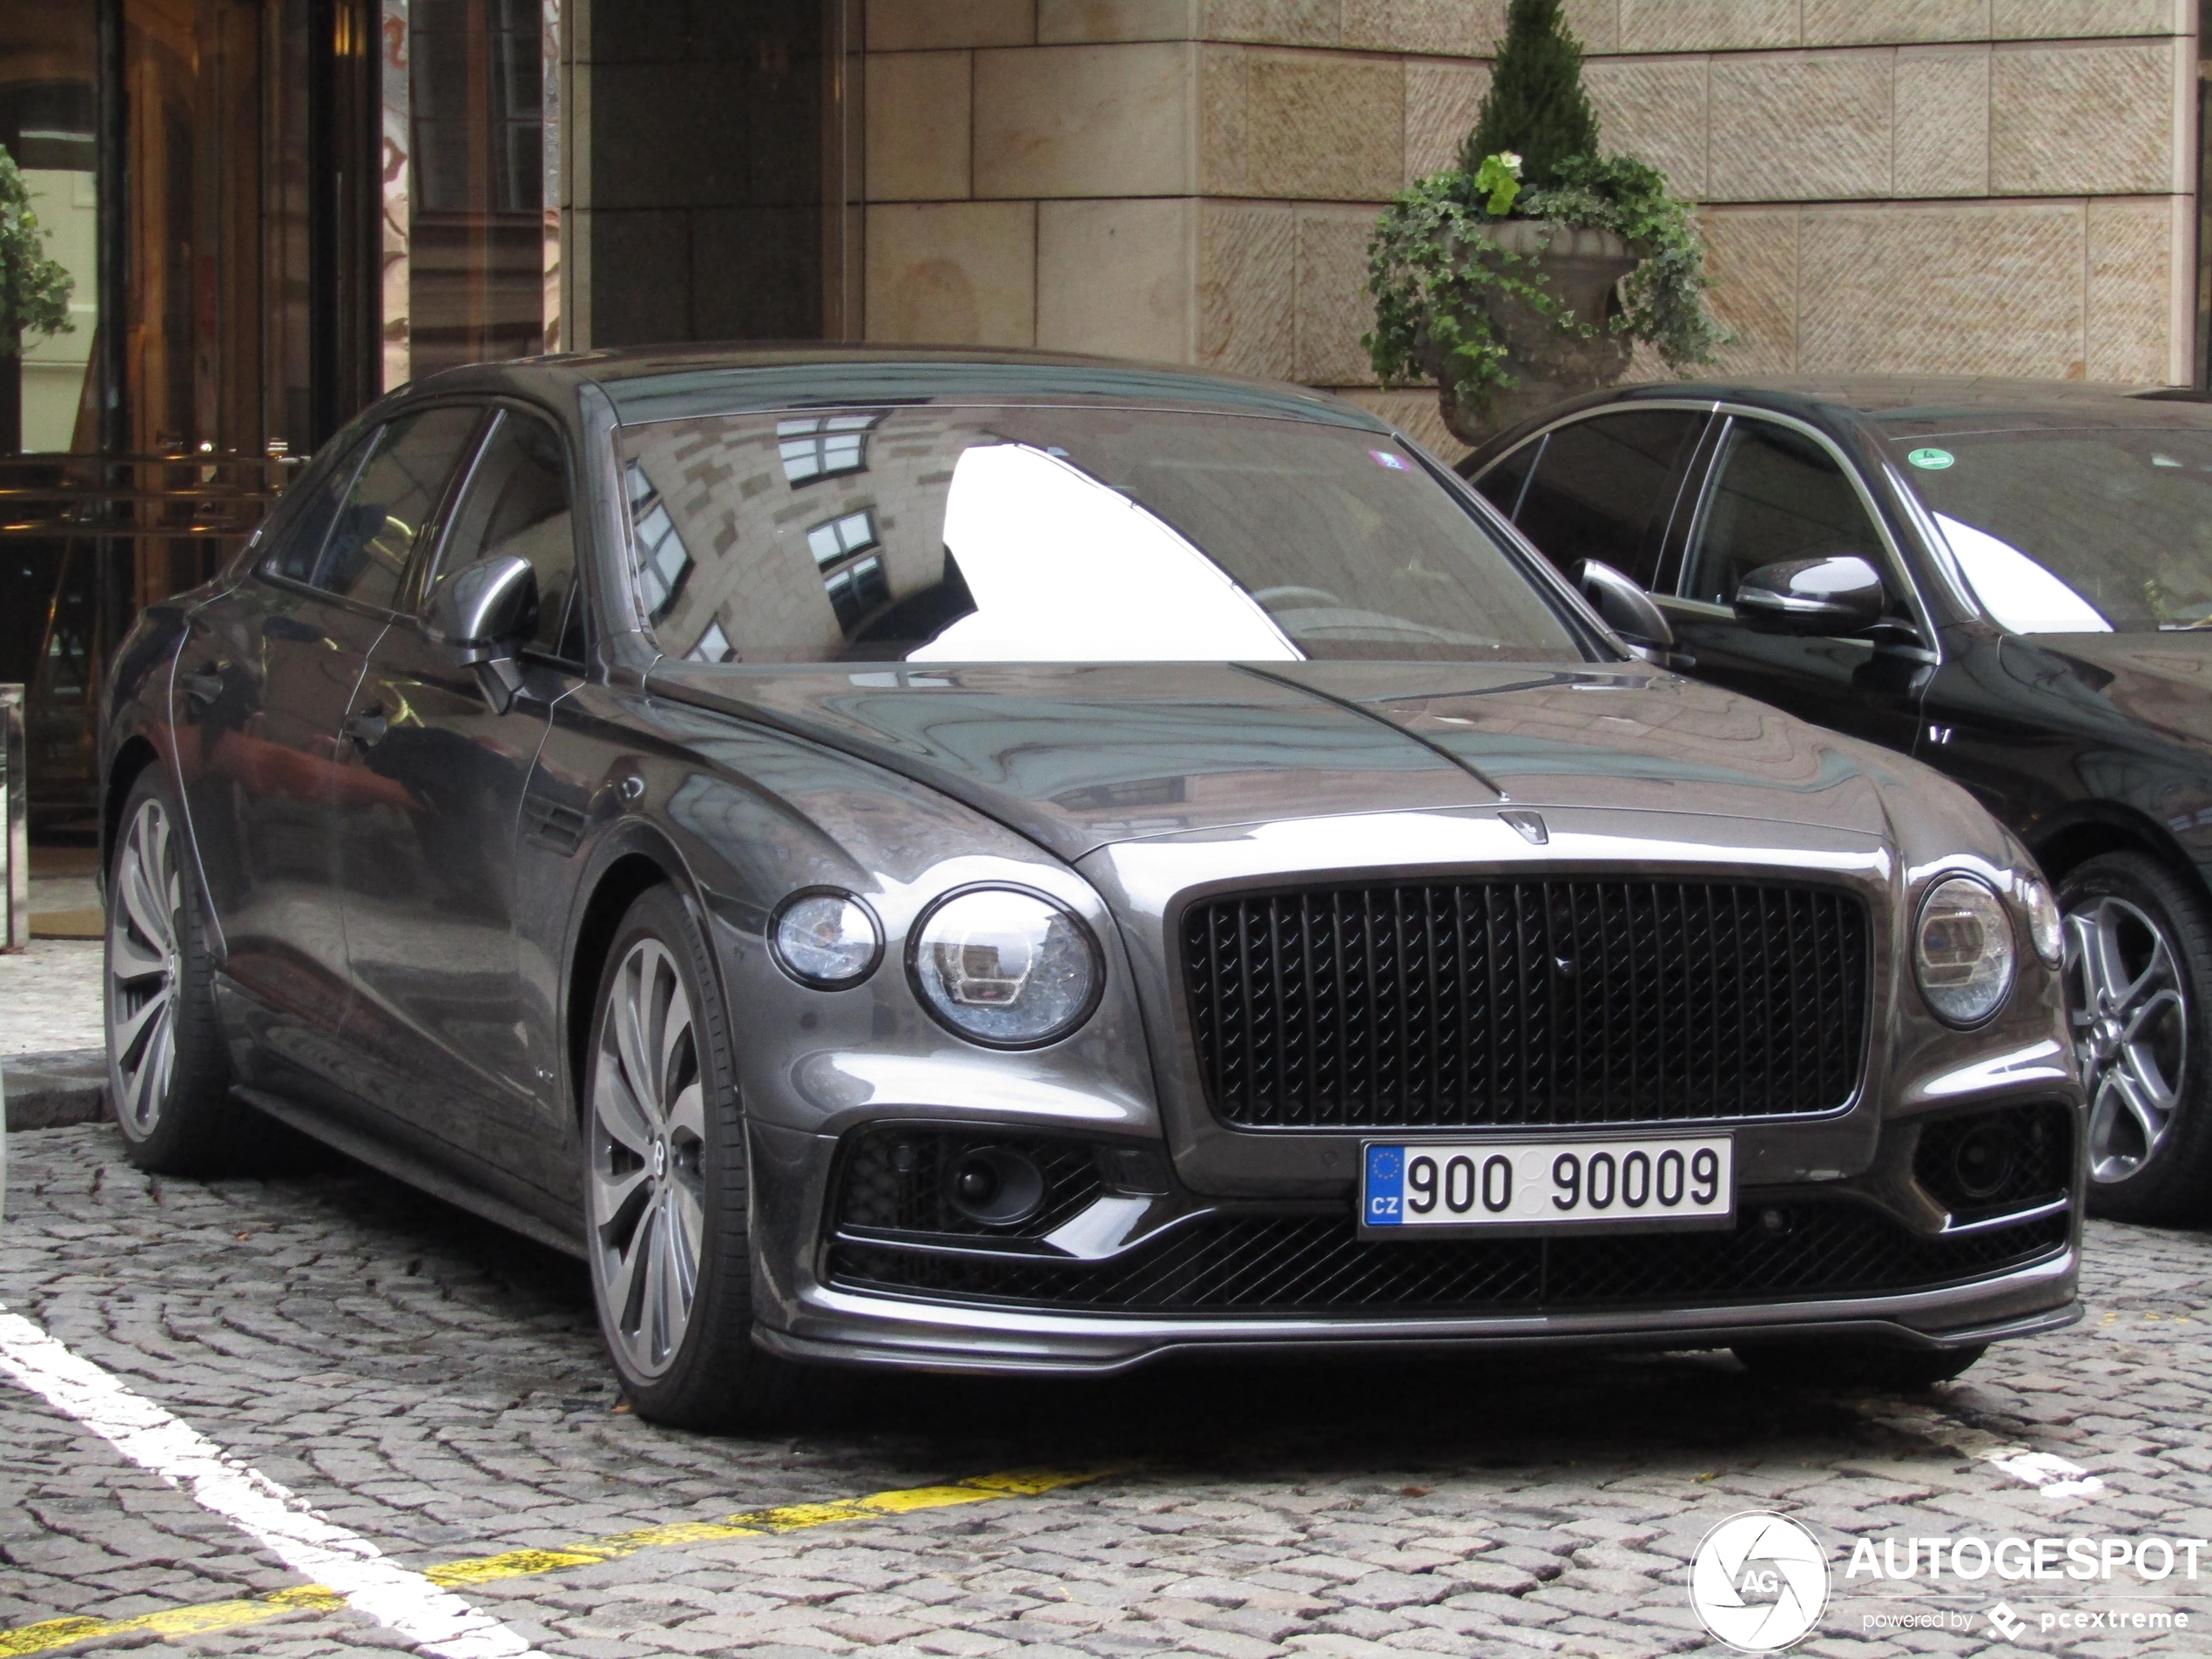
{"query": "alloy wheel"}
(2129, 1002)
(142, 964)
(648, 1144)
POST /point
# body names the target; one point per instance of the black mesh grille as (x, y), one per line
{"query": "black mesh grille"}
(900, 1180)
(1308, 1265)
(1564, 1001)
(1983, 1163)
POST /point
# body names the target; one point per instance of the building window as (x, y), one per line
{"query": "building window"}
(664, 562)
(841, 538)
(856, 590)
(826, 445)
(714, 646)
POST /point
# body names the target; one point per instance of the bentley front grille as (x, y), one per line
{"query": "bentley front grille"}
(1564, 1001)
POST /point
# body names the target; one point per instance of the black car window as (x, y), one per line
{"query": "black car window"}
(1057, 533)
(1604, 489)
(391, 501)
(1776, 494)
(300, 521)
(1503, 481)
(516, 503)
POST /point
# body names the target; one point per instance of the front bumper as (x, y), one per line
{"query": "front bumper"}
(841, 1327)
(1843, 1264)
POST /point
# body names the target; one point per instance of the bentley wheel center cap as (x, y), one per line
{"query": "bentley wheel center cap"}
(660, 1160)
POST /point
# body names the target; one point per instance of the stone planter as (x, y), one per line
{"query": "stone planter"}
(1581, 267)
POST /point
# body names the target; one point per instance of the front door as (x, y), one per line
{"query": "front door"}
(428, 862)
(1778, 493)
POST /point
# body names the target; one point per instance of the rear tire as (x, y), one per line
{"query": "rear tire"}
(169, 1074)
(2139, 999)
(666, 1193)
(1856, 1365)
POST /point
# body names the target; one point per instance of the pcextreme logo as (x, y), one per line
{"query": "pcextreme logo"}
(1759, 1581)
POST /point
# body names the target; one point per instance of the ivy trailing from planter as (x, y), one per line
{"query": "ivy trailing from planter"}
(1436, 269)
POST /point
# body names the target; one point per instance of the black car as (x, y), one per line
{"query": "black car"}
(2011, 581)
(1014, 863)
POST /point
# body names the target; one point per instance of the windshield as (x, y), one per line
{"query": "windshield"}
(1053, 534)
(2076, 530)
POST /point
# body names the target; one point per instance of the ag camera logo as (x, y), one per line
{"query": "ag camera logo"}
(1759, 1581)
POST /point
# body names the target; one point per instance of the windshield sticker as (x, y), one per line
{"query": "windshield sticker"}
(1932, 460)
(1395, 464)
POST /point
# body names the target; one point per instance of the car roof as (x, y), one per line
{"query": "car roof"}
(680, 382)
(1917, 404)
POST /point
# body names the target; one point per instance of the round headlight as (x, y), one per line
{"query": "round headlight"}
(1006, 968)
(1963, 951)
(826, 939)
(2045, 929)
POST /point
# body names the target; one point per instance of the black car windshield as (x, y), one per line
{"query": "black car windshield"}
(1059, 533)
(2075, 530)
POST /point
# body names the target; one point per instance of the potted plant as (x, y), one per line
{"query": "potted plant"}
(1528, 272)
(34, 295)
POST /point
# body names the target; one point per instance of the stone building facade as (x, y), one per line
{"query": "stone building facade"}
(2001, 186)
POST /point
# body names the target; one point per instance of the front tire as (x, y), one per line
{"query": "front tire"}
(665, 1196)
(2139, 995)
(169, 1074)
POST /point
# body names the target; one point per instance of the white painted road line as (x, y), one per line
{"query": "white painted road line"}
(439, 1621)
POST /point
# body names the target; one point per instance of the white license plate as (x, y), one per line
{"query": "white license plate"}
(1552, 1183)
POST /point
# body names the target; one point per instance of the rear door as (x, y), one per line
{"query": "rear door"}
(264, 685)
(427, 860)
(1776, 491)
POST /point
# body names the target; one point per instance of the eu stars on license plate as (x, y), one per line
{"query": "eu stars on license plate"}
(1554, 1183)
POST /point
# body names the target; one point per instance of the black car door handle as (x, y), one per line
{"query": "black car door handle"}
(366, 726)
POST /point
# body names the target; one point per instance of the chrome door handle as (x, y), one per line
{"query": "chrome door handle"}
(366, 727)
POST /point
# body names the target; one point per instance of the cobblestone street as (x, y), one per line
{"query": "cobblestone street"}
(436, 1386)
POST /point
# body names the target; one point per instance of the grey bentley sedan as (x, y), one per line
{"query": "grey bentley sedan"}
(997, 862)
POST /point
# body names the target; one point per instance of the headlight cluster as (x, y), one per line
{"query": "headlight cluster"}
(1003, 966)
(1962, 950)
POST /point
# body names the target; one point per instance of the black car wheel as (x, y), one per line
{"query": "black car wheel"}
(1860, 1364)
(168, 1072)
(665, 1185)
(2138, 968)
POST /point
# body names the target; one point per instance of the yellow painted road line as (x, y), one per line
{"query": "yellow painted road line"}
(50, 1634)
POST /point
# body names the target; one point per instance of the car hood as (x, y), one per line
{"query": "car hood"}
(2163, 680)
(1079, 756)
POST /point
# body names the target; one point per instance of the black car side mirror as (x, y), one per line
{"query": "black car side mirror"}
(482, 613)
(1628, 610)
(1839, 594)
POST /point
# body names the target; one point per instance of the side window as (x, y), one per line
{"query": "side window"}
(1776, 494)
(300, 522)
(1604, 489)
(516, 503)
(1502, 484)
(391, 499)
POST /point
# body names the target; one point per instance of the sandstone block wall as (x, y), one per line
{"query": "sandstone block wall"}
(1937, 185)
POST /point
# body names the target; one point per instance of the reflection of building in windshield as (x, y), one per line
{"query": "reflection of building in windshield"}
(809, 531)
(824, 445)
(663, 563)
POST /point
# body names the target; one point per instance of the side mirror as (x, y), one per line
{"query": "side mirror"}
(1628, 610)
(1841, 594)
(482, 613)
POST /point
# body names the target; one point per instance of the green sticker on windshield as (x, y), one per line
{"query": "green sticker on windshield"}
(1932, 460)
